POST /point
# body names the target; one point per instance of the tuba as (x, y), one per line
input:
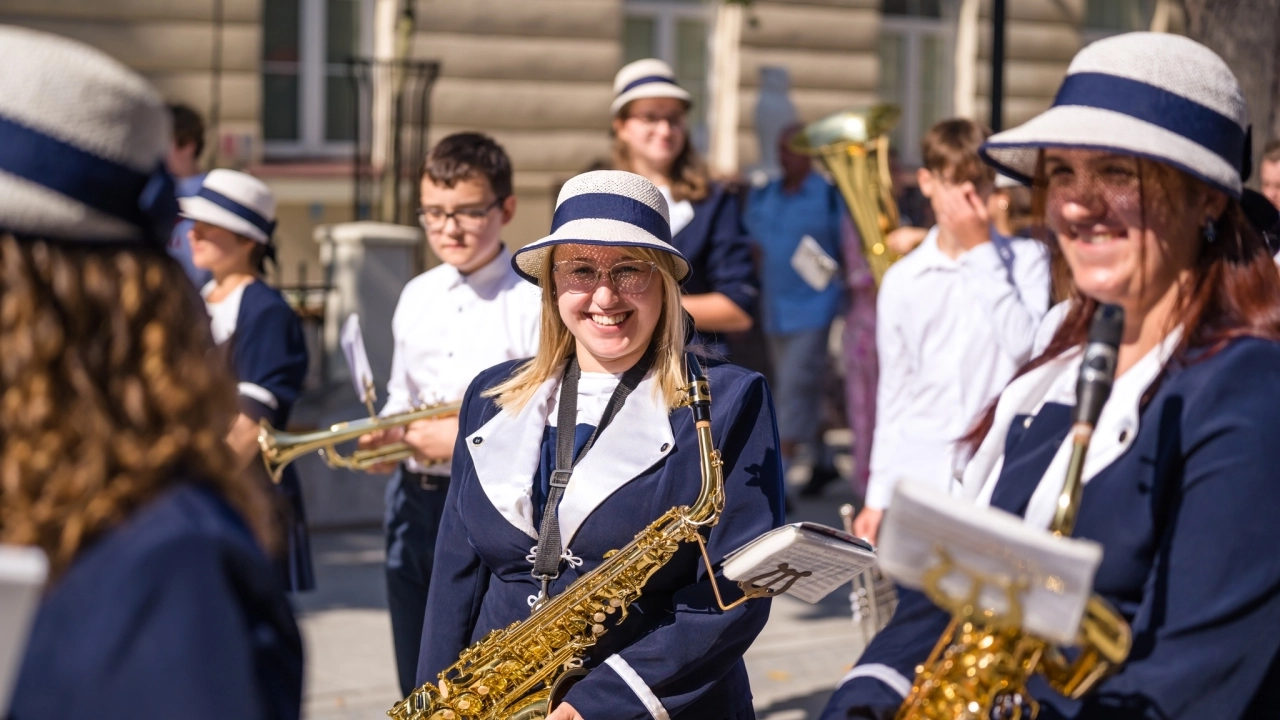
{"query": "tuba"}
(854, 147)
(980, 666)
(521, 671)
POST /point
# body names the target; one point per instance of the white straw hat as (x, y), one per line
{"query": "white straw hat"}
(1153, 95)
(648, 78)
(82, 145)
(604, 207)
(234, 201)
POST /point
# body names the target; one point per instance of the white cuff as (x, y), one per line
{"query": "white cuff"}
(642, 691)
(884, 674)
(259, 393)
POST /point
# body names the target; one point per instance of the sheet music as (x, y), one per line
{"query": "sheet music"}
(831, 561)
(352, 340)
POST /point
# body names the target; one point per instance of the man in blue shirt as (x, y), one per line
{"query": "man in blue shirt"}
(795, 222)
(183, 163)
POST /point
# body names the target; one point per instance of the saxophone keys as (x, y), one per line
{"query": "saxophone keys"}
(482, 690)
(599, 617)
(615, 603)
(597, 629)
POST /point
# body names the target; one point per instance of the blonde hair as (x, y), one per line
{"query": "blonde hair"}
(556, 343)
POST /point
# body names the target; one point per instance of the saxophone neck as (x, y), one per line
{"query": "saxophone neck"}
(706, 509)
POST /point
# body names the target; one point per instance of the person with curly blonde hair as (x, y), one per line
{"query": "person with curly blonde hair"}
(113, 419)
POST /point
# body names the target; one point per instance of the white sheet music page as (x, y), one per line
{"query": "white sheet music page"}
(352, 340)
(22, 575)
(830, 557)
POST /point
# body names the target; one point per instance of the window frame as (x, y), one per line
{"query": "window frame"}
(666, 15)
(911, 29)
(313, 70)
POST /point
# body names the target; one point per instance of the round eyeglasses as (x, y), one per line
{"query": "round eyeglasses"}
(627, 276)
(435, 218)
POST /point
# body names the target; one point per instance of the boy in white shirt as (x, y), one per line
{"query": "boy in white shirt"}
(955, 319)
(468, 314)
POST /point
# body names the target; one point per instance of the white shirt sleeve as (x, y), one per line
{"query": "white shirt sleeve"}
(995, 283)
(896, 373)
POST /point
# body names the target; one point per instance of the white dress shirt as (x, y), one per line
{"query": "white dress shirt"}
(449, 326)
(949, 335)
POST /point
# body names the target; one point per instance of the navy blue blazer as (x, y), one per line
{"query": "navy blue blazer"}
(718, 248)
(1186, 518)
(676, 647)
(176, 612)
(269, 358)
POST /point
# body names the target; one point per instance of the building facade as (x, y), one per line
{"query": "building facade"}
(273, 79)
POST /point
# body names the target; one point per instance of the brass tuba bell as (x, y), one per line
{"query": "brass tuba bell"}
(854, 147)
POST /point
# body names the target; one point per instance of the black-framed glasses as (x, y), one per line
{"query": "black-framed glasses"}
(435, 218)
(627, 276)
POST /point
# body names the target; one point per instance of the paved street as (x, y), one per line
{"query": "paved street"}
(794, 664)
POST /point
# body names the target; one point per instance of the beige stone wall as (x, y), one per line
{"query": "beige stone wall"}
(828, 48)
(537, 75)
(170, 42)
(1041, 37)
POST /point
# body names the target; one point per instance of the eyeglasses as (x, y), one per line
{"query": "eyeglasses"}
(675, 121)
(628, 276)
(435, 218)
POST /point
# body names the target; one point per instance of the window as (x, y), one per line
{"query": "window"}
(308, 93)
(916, 47)
(675, 31)
(1110, 17)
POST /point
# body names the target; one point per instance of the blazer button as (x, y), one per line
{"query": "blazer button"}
(664, 447)
(477, 440)
(1124, 435)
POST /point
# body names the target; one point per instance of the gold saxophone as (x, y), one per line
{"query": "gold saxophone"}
(980, 666)
(519, 672)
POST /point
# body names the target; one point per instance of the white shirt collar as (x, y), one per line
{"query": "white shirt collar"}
(1055, 382)
(486, 277)
(510, 449)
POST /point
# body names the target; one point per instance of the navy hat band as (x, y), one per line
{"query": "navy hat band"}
(607, 206)
(144, 200)
(268, 227)
(647, 80)
(1204, 126)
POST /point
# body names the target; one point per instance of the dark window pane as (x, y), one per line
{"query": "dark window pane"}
(339, 108)
(280, 20)
(893, 65)
(639, 39)
(913, 8)
(691, 66)
(342, 20)
(1119, 15)
(279, 106)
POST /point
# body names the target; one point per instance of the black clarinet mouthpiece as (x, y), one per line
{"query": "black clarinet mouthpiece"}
(1098, 369)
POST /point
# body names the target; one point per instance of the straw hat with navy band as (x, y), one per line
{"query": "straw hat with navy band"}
(1152, 95)
(604, 207)
(648, 78)
(82, 146)
(234, 201)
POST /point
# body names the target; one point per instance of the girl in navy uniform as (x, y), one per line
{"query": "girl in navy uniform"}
(162, 601)
(234, 217)
(611, 319)
(651, 138)
(1140, 164)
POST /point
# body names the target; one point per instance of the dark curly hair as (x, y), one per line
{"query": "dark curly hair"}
(109, 395)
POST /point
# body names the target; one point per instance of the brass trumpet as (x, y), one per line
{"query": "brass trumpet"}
(280, 448)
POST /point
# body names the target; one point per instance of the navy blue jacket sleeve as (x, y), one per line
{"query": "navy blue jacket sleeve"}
(457, 572)
(684, 657)
(729, 268)
(882, 678)
(1207, 632)
(270, 356)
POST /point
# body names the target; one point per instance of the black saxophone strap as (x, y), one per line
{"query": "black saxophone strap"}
(546, 566)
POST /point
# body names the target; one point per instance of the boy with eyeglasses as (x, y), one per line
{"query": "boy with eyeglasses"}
(451, 322)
